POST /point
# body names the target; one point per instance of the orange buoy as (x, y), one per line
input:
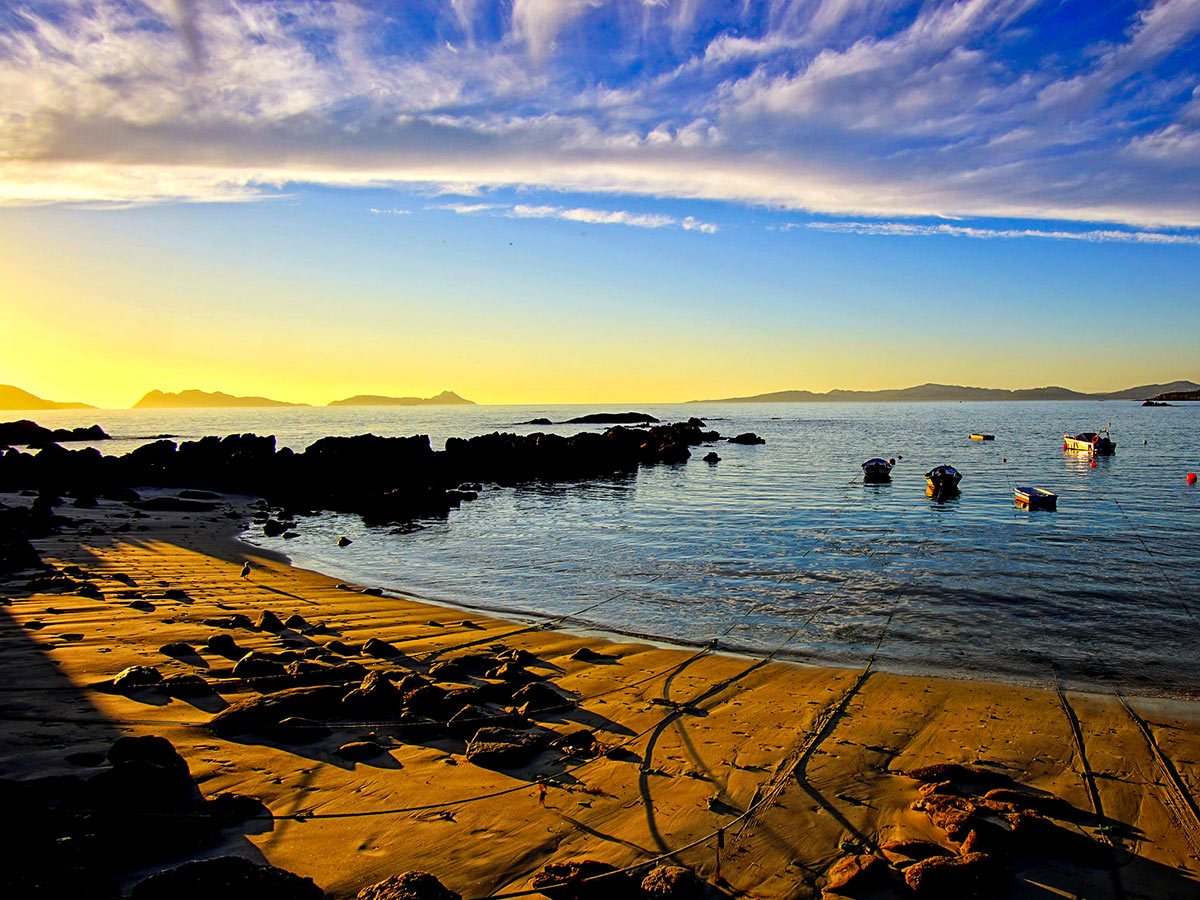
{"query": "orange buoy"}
(1093, 464)
(1064, 445)
(1191, 479)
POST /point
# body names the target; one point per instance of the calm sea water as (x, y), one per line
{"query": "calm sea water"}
(781, 547)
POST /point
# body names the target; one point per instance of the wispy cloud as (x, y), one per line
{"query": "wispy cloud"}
(904, 229)
(880, 108)
(390, 212)
(581, 214)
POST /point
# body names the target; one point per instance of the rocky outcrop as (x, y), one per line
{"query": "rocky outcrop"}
(584, 879)
(226, 877)
(409, 886)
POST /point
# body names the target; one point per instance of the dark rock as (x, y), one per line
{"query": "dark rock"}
(225, 645)
(381, 649)
(916, 849)
(235, 621)
(141, 605)
(177, 649)
(501, 748)
(409, 886)
(226, 877)
(511, 672)
(357, 750)
(257, 665)
(629, 418)
(296, 623)
(344, 541)
(538, 697)
(954, 877)
(298, 730)
(373, 591)
(136, 677)
(951, 814)
(344, 649)
(856, 872)
(189, 494)
(581, 742)
(584, 879)
(587, 654)
(711, 457)
(748, 437)
(273, 528)
(672, 883)
(447, 671)
(1044, 804)
(427, 700)
(375, 696)
(268, 621)
(175, 594)
(89, 590)
(267, 711)
(172, 504)
(146, 775)
(470, 719)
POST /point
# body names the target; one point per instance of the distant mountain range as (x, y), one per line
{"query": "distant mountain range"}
(943, 392)
(15, 398)
(203, 400)
(445, 398)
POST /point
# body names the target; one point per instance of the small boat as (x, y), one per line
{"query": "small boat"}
(1035, 498)
(943, 480)
(877, 470)
(982, 437)
(1089, 442)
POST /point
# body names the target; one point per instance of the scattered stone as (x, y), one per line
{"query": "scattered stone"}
(177, 649)
(123, 578)
(581, 742)
(409, 886)
(89, 590)
(748, 437)
(381, 649)
(185, 686)
(269, 710)
(226, 877)
(136, 677)
(357, 750)
(672, 883)
(916, 849)
(711, 457)
(237, 620)
(502, 748)
(344, 649)
(141, 605)
(373, 591)
(537, 697)
(446, 671)
(175, 594)
(587, 654)
(511, 672)
(585, 879)
(268, 621)
(375, 696)
(296, 623)
(257, 665)
(954, 877)
(224, 645)
(273, 528)
(426, 700)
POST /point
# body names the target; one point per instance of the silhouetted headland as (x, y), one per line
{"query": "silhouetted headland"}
(953, 392)
(203, 400)
(14, 398)
(445, 398)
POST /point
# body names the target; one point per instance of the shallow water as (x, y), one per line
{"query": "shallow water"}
(780, 547)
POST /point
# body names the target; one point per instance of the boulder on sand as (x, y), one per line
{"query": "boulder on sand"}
(409, 886)
(226, 877)
(954, 877)
(136, 677)
(266, 712)
(856, 872)
(584, 879)
(501, 748)
(672, 883)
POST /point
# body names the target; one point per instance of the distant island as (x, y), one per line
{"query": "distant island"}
(203, 400)
(15, 398)
(445, 398)
(1164, 398)
(944, 392)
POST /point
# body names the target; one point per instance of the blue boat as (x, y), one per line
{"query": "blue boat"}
(1035, 498)
(877, 470)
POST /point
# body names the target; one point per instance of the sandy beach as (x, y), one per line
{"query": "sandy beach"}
(758, 775)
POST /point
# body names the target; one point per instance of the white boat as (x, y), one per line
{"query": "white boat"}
(1090, 442)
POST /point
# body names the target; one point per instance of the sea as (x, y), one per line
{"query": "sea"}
(781, 548)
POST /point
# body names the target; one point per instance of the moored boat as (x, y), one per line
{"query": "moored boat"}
(981, 436)
(1089, 442)
(1035, 498)
(876, 469)
(943, 480)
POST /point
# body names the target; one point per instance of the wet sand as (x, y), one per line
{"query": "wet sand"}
(798, 766)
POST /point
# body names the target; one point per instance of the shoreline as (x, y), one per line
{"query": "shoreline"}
(891, 666)
(711, 733)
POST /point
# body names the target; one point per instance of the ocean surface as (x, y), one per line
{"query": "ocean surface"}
(782, 548)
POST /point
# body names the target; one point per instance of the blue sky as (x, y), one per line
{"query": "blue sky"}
(737, 176)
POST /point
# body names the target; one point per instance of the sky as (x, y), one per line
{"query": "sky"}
(596, 200)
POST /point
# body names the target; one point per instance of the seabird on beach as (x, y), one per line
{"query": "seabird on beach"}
(246, 570)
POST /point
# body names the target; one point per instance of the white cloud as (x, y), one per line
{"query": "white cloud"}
(903, 229)
(843, 107)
